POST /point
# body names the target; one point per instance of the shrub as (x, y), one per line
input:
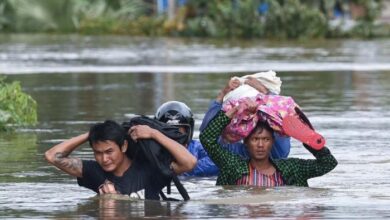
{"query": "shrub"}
(16, 107)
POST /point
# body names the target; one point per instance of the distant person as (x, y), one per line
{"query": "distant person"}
(338, 11)
(260, 169)
(113, 171)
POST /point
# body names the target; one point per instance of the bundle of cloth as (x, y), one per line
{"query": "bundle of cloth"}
(272, 108)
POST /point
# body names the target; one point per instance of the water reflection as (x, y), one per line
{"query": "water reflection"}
(114, 207)
(119, 207)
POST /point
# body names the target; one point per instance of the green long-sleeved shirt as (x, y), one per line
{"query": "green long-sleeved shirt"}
(232, 167)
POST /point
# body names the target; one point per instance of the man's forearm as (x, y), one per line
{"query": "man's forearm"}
(220, 96)
(213, 110)
(59, 155)
(184, 160)
(70, 165)
(209, 140)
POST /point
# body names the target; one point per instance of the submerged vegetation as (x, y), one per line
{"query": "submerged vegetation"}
(16, 107)
(204, 18)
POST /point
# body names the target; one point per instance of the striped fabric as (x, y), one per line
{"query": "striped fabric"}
(256, 178)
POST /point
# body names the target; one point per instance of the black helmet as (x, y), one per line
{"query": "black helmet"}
(177, 113)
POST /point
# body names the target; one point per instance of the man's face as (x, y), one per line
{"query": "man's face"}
(184, 130)
(108, 155)
(259, 144)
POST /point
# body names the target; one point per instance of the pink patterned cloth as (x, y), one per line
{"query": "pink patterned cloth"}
(271, 108)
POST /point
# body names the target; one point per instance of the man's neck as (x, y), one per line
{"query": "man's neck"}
(126, 163)
(264, 166)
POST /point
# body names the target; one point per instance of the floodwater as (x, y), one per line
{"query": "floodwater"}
(343, 86)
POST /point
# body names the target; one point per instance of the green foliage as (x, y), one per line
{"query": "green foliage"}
(225, 19)
(365, 27)
(201, 27)
(142, 26)
(37, 15)
(67, 15)
(16, 107)
(205, 18)
(146, 26)
(246, 20)
(284, 19)
(372, 8)
(294, 20)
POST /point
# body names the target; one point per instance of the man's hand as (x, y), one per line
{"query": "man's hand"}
(231, 85)
(256, 84)
(141, 132)
(107, 188)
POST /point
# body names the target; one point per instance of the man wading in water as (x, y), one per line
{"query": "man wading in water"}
(260, 169)
(113, 171)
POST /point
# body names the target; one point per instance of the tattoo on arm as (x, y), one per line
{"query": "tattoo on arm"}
(70, 165)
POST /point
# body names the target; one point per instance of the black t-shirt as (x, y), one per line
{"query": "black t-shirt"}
(139, 181)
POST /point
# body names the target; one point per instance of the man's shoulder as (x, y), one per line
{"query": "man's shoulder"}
(195, 145)
(287, 163)
(90, 164)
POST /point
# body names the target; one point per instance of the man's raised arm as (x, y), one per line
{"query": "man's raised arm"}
(59, 155)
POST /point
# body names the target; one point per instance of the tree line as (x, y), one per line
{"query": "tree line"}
(199, 18)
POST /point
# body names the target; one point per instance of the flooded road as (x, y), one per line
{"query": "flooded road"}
(350, 107)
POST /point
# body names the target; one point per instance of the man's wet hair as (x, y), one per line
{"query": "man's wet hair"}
(107, 131)
(259, 128)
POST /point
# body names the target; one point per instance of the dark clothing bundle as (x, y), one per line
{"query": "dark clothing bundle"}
(149, 149)
(151, 152)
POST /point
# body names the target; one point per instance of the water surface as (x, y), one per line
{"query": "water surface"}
(350, 108)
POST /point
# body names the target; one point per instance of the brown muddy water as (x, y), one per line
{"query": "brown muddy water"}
(343, 86)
